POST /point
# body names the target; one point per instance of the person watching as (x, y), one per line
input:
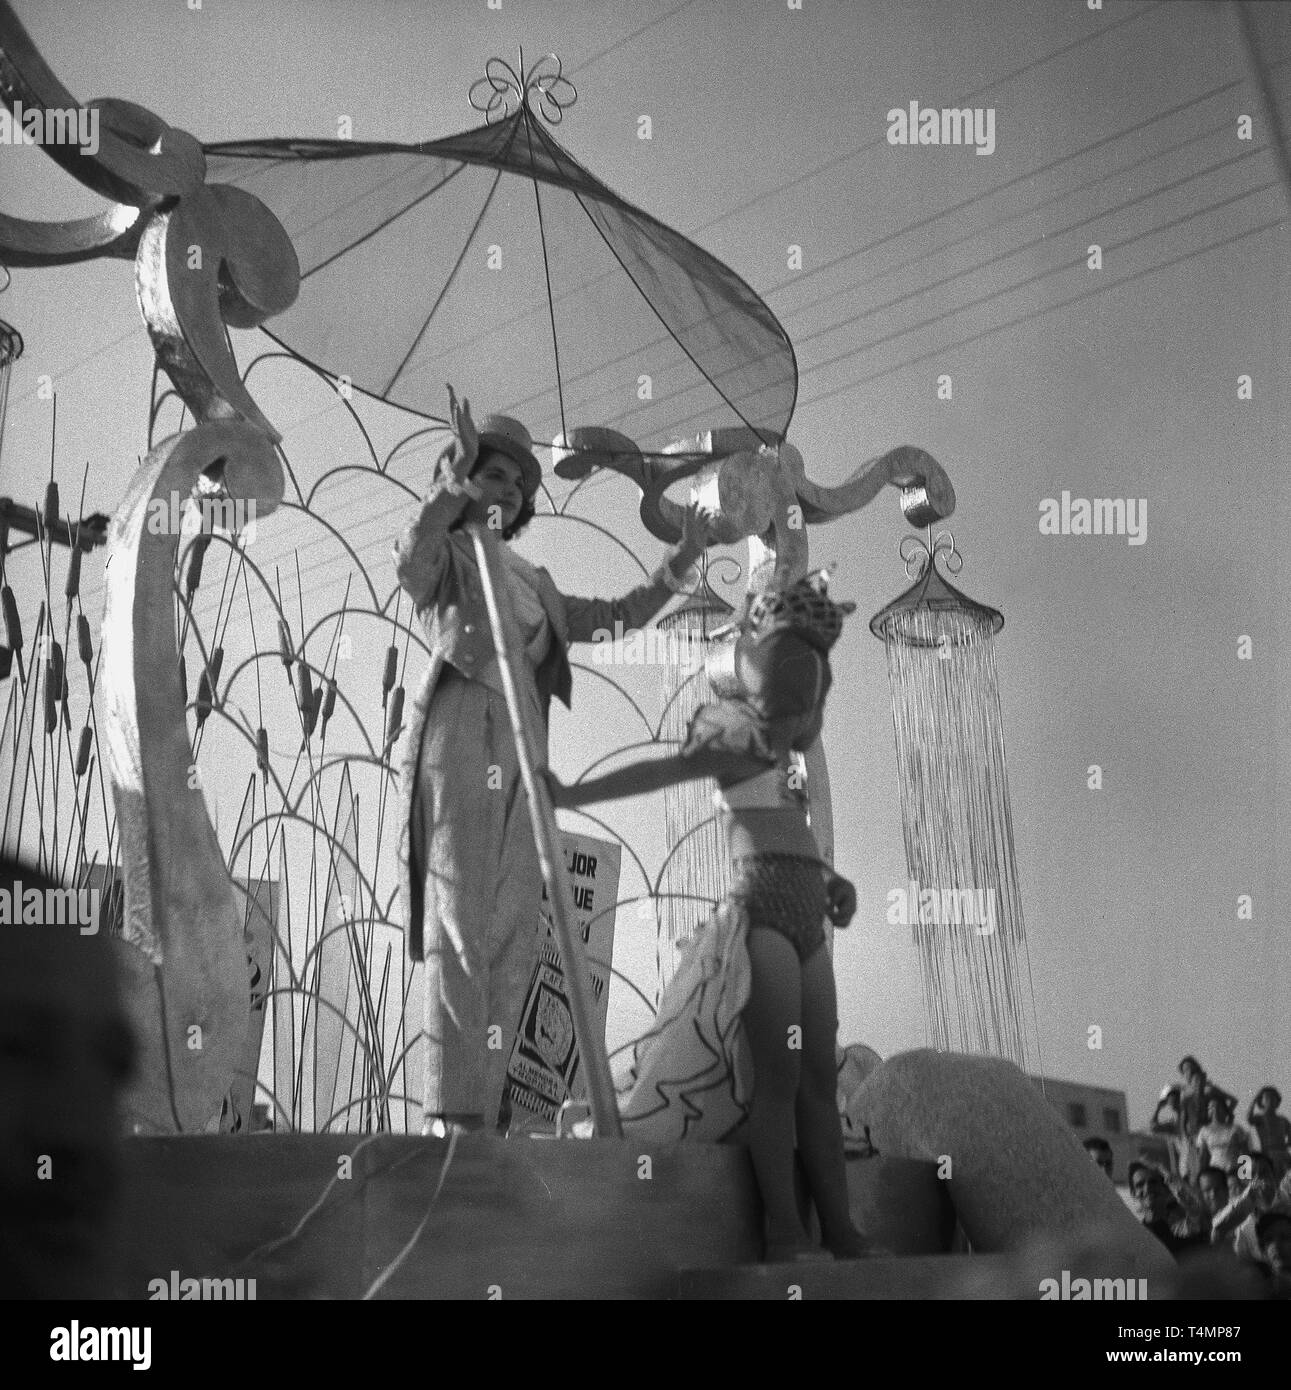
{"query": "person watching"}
(1221, 1141)
(1272, 1130)
(1237, 1222)
(1160, 1211)
(1100, 1151)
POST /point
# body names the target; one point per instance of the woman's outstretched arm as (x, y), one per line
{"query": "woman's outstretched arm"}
(586, 617)
(653, 774)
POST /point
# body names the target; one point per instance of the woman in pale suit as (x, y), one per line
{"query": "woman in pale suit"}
(470, 875)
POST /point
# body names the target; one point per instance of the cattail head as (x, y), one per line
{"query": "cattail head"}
(310, 716)
(304, 689)
(196, 555)
(204, 704)
(12, 624)
(73, 585)
(83, 752)
(395, 720)
(55, 673)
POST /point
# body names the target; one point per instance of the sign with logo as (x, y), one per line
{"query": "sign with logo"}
(544, 1070)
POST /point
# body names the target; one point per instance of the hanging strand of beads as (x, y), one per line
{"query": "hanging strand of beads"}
(964, 904)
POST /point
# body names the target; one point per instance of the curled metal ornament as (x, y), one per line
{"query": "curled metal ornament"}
(917, 552)
(735, 570)
(501, 92)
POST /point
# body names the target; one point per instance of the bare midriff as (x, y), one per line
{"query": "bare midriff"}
(768, 831)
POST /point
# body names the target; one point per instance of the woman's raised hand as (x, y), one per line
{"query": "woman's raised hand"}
(696, 530)
(463, 451)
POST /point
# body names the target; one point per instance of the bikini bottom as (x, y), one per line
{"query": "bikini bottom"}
(785, 893)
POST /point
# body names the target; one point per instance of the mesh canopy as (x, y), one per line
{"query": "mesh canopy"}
(494, 260)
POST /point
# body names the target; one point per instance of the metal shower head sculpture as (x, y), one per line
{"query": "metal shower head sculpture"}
(964, 902)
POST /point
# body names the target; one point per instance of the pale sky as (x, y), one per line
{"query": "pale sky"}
(769, 130)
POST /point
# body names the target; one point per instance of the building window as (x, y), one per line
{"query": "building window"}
(1111, 1120)
(1076, 1115)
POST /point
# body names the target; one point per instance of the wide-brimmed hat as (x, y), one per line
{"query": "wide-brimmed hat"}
(510, 437)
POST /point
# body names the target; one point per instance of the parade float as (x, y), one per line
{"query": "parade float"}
(286, 1146)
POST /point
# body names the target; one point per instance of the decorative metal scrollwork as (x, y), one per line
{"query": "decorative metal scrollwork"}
(501, 92)
(920, 553)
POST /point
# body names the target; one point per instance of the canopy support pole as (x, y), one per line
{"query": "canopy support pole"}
(591, 1048)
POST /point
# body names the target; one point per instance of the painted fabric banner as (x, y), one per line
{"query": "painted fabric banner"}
(544, 1069)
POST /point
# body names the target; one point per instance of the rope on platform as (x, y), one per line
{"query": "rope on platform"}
(383, 1278)
(270, 1246)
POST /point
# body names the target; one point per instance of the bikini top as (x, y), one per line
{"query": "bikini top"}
(768, 791)
(733, 727)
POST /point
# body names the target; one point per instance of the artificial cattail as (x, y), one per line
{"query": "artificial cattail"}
(307, 698)
(329, 700)
(309, 714)
(83, 752)
(196, 554)
(216, 664)
(6, 663)
(51, 505)
(55, 673)
(395, 721)
(84, 646)
(203, 697)
(284, 643)
(304, 690)
(12, 627)
(51, 708)
(262, 751)
(183, 680)
(73, 585)
(388, 675)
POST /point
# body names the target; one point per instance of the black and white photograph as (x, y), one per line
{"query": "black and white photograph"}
(645, 657)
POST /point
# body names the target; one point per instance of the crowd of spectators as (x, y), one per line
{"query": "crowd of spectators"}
(1228, 1185)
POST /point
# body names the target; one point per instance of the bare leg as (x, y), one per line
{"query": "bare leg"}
(774, 1008)
(820, 1133)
